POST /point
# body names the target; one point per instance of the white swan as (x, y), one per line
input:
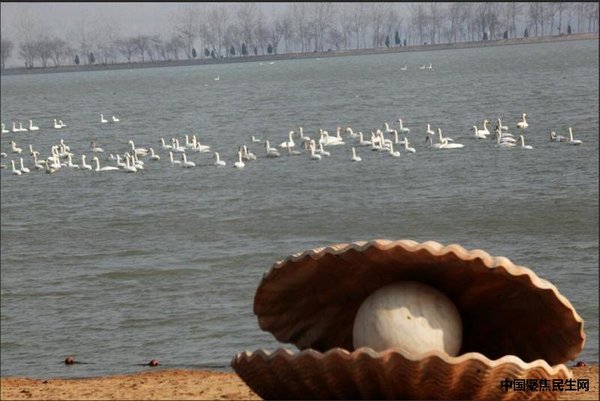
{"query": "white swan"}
(251, 156)
(353, 135)
(49, 170)
(115, 119)
(239, 163)
(255, 139)
(102, 119)
(442, 137)
(447, 145)
(217, 78)
(4, 130)
(502, 144)
(33, 127)
(430, 67)
(96, 149)
(185, 163)
(354, 157)
(557, 138)
(84, 165)
(57, 125)
(392, 152)
(402, 128)
(271, 152)
(404, 68)
(219, 162)
(128, 167)
(23, 168)
(523, 124)
(120, 163)
(107, 168)
(388, 130)
(173, 162)
(327, 140)
(422, 67)
(321, 150)
(14, 127)
(429, 130)
(164, 145)
(198, 146)
(70, 162)
(176, 148)
(361, 141)
(21, 128)
(500, 126)
(407, 148)
(302, 136)
(137, 151)
(314, 156)
(39, 164)
(572, 141)
(153, 156)
(62, 125)
(14, 148)
(431, 144)
(290, 143)
(479, 133)
(14, 170)
(523, 146)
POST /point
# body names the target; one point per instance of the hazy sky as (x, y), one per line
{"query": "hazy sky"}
(133, 18)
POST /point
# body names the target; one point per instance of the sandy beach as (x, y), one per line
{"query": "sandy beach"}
(182, 385)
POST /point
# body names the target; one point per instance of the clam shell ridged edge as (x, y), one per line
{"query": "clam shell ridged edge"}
(499, 263)
(432, 375)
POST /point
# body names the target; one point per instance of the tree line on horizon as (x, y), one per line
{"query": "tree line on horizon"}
(205, 31)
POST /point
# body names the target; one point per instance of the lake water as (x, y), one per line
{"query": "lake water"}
(117, 269)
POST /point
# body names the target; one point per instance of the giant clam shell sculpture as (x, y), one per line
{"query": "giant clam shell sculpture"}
(462, 322)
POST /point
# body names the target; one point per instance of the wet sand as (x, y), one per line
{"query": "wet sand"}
(182, 385)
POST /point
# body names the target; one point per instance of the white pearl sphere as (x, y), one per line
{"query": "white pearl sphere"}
(411, 316)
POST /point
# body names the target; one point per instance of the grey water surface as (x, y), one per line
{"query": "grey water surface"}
(117, 269)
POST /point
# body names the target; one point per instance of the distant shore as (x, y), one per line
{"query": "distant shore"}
(292, 56)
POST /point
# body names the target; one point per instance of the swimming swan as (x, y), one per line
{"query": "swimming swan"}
(479, 133)
(572, 141)
(239, 163)
(429, 130)
(14, 148)
(23, 168)
(96, 149)
(57, 125)
(33, 127)
(84, 165)
(107, 168)
(14, 170)
(185, 163)
(102, 119)
(402, 128)
(153, 156)
(173, 162)
(115, 119)
(523, 146)
(523, 124)
(557, 138)
(4, 130)
(290, 143)
(354, 157)
(271, 152)
(407, 148)
(219, 162)
(314, 156)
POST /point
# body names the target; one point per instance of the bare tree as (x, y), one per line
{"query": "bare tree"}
(186, 27)
(27, 26)
(247, 14)
(358, 20)
(141, 43)
(376, 14)
(287, 30)
(126, 47)
(261, 32)
(302, 26)
(58, 50)
(534, 16)
(218, 18)
(6, 48)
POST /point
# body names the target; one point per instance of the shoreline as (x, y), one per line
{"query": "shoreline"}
(183, 384)
(294, 56)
